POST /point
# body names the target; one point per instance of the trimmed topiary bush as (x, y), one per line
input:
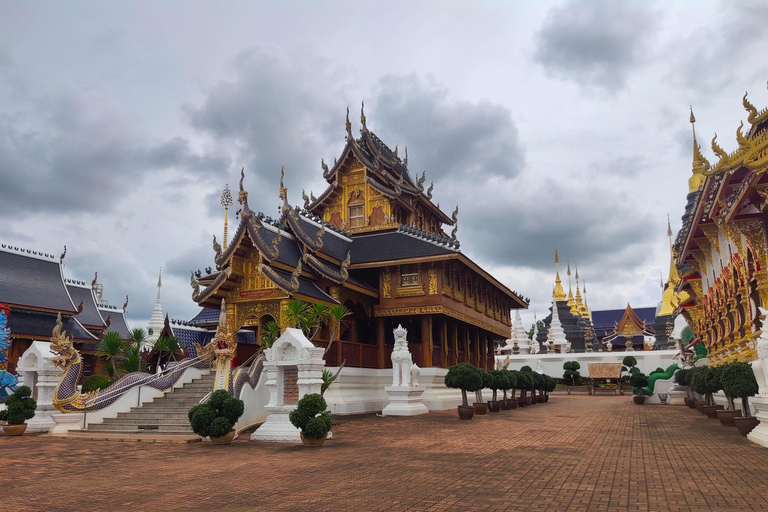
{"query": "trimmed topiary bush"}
(499, 380)
(571, 375)
(738, 382)
(20, 406)
(638, 380)
(465, 377)
(216, 417)
(311, 416)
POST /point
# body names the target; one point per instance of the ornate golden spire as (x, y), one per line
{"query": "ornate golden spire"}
(571, 301)
(700, 164)
(668, 294)
(578, 300)
(586, 313)
(558, 290)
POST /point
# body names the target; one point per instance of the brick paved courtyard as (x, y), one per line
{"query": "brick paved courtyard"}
(577, 453)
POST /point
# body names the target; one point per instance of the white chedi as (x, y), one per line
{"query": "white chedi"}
(556, 334)
(518, 342)
(404, 371)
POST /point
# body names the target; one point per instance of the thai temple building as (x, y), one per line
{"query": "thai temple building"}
(373, 241)
(719, 281)
(32, 284)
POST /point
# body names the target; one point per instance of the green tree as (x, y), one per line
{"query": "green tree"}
(111, 348)
(295, 312)
(167, 345)
(336, 314)
(138, 337)
(739, 381)
(270, 334)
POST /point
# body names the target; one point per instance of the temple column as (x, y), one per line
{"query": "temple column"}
(467, 353)
(444, 343)
(381, 356)
(426, 342)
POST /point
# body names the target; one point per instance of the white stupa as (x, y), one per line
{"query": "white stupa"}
(556, 334)
(518, 343)
(157, 320)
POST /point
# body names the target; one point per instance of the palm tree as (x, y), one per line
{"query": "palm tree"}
(138, 337)
(132, 361)
(314, 318)
(166, 344)
(270, 334)
(295, 312)
(336, 314)
(111, 347)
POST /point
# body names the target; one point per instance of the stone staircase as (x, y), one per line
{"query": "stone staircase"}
(166, 415)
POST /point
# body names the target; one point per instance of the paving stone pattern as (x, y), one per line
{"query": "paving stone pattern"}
(575, 453)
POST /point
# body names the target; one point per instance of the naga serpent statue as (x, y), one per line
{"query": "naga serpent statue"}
(67, 398)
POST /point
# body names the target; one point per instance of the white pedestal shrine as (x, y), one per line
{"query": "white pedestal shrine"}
(293, 368)
(404, 401)
(676, 396)
(36, 370)
(405, 393)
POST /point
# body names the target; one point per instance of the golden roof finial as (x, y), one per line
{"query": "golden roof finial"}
(571, 301)
(558, 289)
(700, 164)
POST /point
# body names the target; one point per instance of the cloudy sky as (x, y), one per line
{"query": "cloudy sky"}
(567, 122)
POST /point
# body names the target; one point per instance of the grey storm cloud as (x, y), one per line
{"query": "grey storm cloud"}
(76, 152)
(595, 42)
(446, 137)
(714, 53)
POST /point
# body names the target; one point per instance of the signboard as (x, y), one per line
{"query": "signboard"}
(259, 294)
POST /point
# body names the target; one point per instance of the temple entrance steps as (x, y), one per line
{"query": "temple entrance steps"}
(166, 415)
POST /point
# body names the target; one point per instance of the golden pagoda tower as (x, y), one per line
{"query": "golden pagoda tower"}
(579, 302)
(571, 300)
(586, 313)
(558, 291)
(668, 296)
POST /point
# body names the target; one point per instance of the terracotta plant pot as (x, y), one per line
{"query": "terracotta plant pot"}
(700, 406)
(521, 402)
(225, 439)
(506, 404)
(310, 441)
(532, 400)
(546, 398)
(466, 412)
(726, 417)
(14, 430)
(690, 402)
(711, 410)
(494, 406)
(746, 425)
(528, 400)
(480, 408)
(513, 403)
(638, 399)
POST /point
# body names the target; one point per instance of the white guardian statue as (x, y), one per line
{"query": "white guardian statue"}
(404, 372)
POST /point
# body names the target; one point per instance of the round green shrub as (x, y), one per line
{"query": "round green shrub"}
(464, 376)
(94, 382)
(630, 362)
(683, 377)
(512, 378)
(232, 409)
(499, 380)
(526, 369)
(319, 426)
(192, 412)
(738, 380)
(19, 406)
(638, 380)
(308, 407)
(220, 427)
(487, 378)
(218, 398)
(202, 419)
(524, 380)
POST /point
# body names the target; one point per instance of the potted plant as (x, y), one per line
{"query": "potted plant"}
(638, 380)
(465, 377)
(713, 386)
(683, 378)
(509, 383)
(499, 380)
(530, 385)
(571, 374)
(514, 380)
(20, 406)
(481, 407)
(217, 417)
(312, 418)
(739, 382)
(629, 366)
(549, 386)
(524, 382)
(726, 416)
(700, 382)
